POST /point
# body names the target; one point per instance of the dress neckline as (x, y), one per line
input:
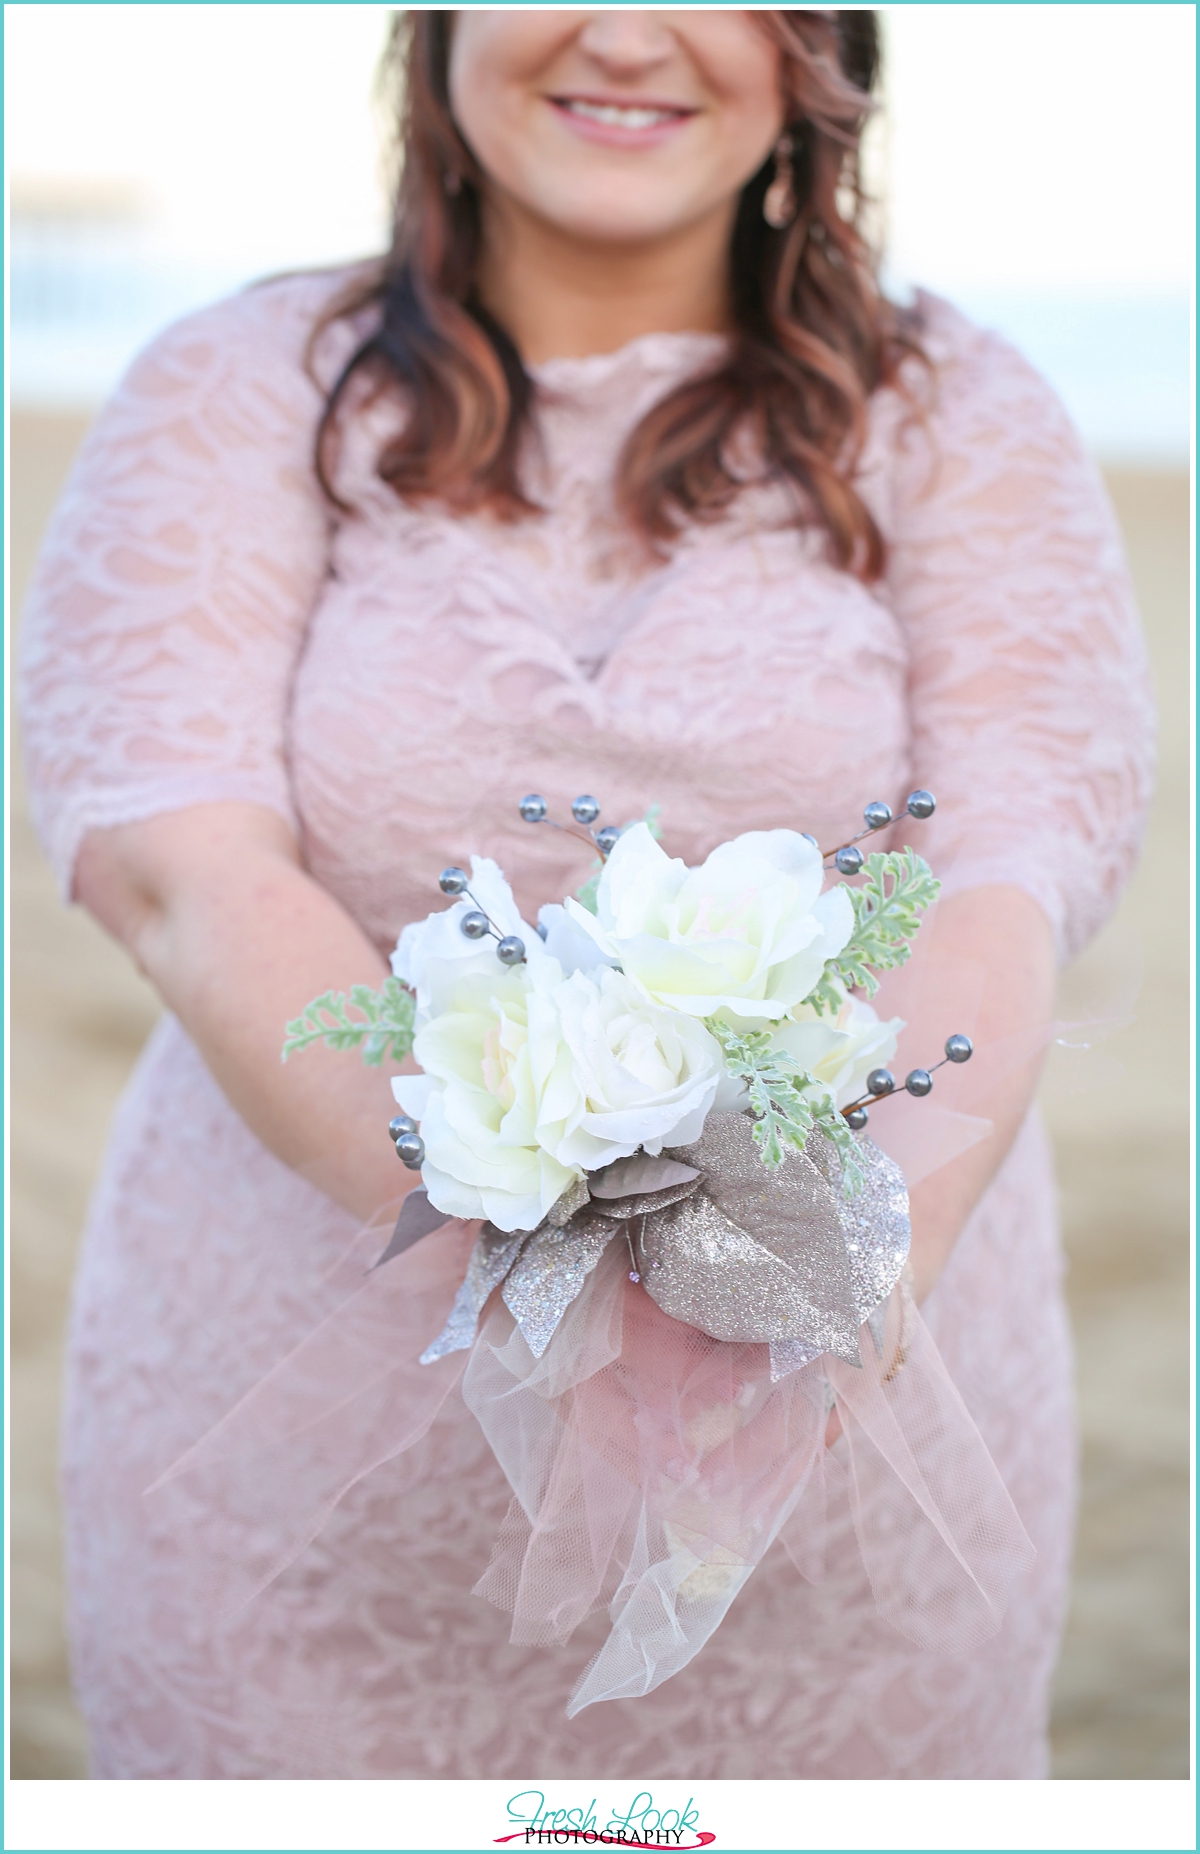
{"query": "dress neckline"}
(659, 351)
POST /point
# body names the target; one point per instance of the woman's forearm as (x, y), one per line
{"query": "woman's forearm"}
(992, 950)
(216, 908)
(989, 953)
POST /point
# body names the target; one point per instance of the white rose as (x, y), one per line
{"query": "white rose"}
(425, 947)
(532, 1078)
(839, 1050)
(487, 1044)
(747, 934)
(629, 1073)
(566, 941)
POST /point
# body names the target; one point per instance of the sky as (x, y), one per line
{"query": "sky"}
(1032, 156)
(249, 130)
(1043, 149)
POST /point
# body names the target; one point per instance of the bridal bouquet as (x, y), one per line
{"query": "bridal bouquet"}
(625, 1065)
(653, 1249)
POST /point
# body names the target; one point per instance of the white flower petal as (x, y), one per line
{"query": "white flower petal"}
(761, 857)
(638, 878)
(835, 912)
(492, 893)
(745, 935)
(429, 945)
(841, 1050)
(577, 948)
(450, 1194)
(412, 1092)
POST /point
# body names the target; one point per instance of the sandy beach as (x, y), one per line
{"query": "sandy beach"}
(1119, 1120)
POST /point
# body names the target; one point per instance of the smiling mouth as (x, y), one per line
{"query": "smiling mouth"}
(629, 116)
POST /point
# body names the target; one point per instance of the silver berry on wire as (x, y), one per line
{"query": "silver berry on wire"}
(410, 1147)
(918, 1082)
(876, 816)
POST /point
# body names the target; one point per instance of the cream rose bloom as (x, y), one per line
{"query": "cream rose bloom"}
(426, 946)
(839, 1049)
(478, 1098)
(532, 1076)
(627, 1074)
(745, 935)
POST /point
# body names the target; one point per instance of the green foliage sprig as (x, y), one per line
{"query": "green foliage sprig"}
(386, 1033)
(787, 1103)
(887, 914)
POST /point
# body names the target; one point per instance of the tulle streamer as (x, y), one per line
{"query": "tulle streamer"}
(651, 1467)
(254, 1491)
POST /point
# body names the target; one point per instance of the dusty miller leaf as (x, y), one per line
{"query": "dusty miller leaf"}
(886, 921)
(386, 1031)
(786, 1102)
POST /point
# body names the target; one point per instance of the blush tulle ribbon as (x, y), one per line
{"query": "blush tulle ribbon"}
(652, 1464)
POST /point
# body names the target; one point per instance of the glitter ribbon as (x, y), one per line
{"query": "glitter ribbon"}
(780, 1258)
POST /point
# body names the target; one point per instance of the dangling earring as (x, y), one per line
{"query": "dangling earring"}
(779, 201)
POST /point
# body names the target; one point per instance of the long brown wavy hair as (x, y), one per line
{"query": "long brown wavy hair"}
(813, 337)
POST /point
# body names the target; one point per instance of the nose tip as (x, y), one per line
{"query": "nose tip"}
(626, 38)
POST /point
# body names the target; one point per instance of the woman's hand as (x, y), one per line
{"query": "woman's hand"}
(217, 910)
(995, 947)
(996, 943)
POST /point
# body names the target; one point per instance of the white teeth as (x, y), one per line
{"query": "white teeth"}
(618, 118)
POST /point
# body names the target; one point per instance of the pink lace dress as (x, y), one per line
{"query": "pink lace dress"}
(203, 627)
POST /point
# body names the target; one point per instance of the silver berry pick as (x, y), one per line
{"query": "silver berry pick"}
(918, 1082)
(411, 1148)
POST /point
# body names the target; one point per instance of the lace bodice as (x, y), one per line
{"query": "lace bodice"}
(204, 626)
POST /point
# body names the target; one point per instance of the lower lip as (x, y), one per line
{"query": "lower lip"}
(613, 135)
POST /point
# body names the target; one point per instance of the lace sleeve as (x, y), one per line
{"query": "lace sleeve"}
(1030, 701)
(170, 599)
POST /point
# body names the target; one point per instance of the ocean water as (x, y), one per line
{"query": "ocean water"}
(80, 310)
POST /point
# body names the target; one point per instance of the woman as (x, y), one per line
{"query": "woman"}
(619, 475)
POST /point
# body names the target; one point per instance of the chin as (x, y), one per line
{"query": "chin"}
(603, 218)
